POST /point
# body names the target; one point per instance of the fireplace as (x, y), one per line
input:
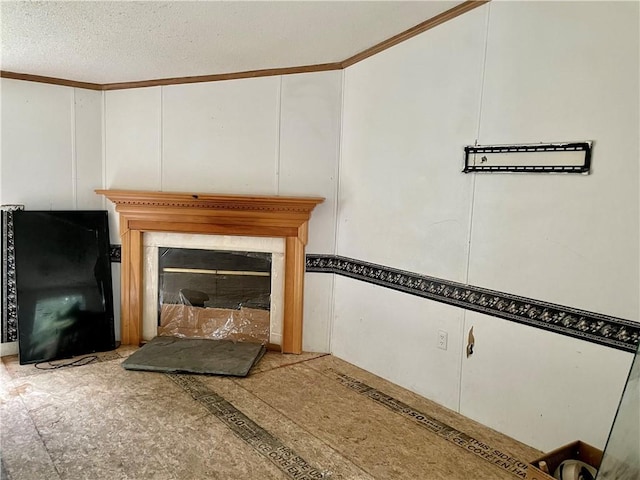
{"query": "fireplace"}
(208, 286)
(141, 212)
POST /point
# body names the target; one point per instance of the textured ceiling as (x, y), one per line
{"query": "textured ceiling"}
(107, 42)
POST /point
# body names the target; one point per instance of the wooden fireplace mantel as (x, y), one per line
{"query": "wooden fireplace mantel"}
(247, 215)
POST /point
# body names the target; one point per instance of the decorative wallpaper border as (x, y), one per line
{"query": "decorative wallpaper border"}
(9, 288)
(115, 253)
(593, 327)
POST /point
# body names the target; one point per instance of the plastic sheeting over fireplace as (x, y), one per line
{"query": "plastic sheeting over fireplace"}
(222, 295)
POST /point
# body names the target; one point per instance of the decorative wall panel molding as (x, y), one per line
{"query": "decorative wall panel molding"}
(593, 327)
(9, 290)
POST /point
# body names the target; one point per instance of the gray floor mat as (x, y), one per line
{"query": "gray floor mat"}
(196, 355)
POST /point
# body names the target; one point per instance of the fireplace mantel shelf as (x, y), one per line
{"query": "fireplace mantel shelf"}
(212, 201)
(213, 214)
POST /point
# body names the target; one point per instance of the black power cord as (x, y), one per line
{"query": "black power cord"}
(79, 362)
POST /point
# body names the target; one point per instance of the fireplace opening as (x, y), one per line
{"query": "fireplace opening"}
(238, 279)
(222, 295)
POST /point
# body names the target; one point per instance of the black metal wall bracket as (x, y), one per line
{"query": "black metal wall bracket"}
(540, 158)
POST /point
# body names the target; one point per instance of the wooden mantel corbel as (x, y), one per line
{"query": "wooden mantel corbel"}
(203, 213)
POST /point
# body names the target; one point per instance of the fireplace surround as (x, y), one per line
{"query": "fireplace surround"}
(212, 214)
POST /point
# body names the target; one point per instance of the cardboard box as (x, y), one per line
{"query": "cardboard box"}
(576, 450)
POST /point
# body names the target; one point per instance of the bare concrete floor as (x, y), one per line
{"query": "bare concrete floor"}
(303, 417)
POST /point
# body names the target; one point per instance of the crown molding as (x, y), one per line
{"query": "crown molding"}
(27, 77)
(268, 72)
(413, 31)
(323, 67)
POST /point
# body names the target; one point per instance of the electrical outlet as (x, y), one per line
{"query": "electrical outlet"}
(442, 339)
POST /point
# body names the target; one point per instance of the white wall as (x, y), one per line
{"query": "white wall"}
(51, 146)
(553, 71)
(270, 135)
(562, 71)
(132, 137)
(51, 154)
(403, 202)
(221, 136)
(310, 125)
